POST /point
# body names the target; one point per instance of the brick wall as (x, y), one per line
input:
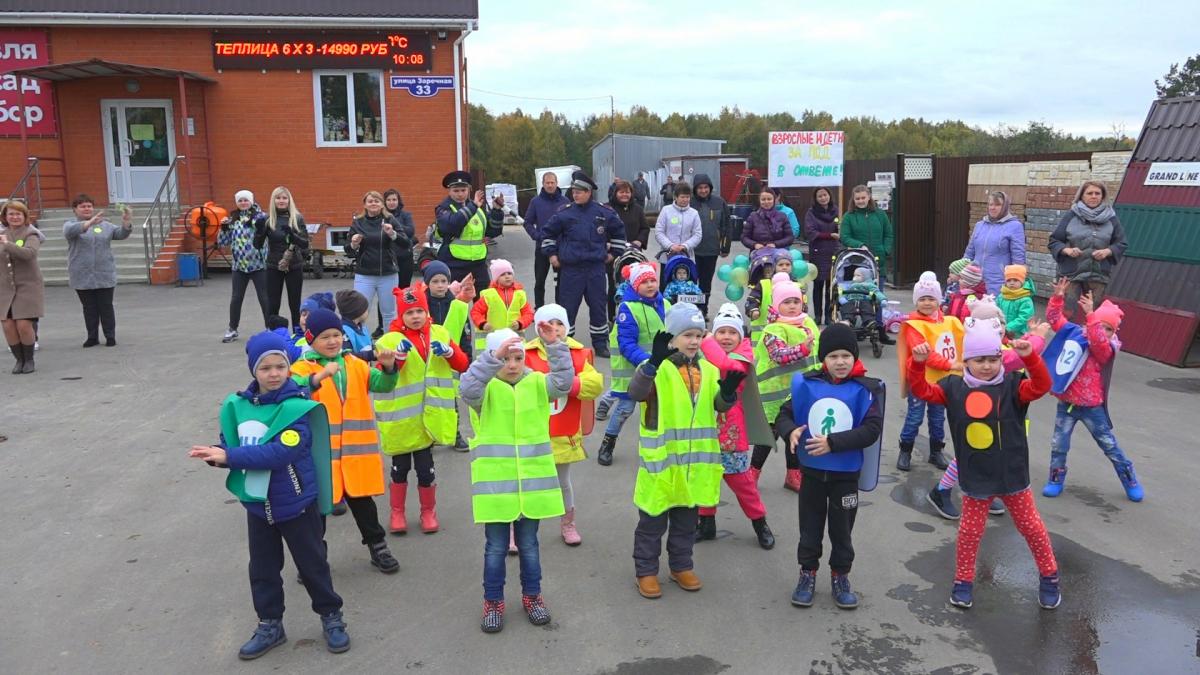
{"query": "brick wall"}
(261, 127)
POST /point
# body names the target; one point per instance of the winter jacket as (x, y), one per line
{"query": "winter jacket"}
(788, 211)
(634, 217)
(1090, 386)
(479, 311)
(238, 232)
(450, 225)
(439, 309)
(1017, 307)
(22, 291)
(1074, 232)
(767, 227)
(822, 248)
(642, 390)
(582, 234)
(995, 245)
(283, 236)
(294, 350)
(293, 485)
(732, 430)
(90, 262)
(422, 345)
(377, 253)
(627, 327)
(870, 228)
(541, 208)
(641, 192)
(357, 339)
(559, 381)
(713, 218)
(678, 226)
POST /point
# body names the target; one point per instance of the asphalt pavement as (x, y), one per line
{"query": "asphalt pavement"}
(121, 554)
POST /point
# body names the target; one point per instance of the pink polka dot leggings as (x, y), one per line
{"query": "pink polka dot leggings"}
(1025, 516)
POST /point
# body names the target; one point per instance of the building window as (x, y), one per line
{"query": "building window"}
(349, 107)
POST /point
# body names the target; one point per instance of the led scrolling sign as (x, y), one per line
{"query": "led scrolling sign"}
(291, 50)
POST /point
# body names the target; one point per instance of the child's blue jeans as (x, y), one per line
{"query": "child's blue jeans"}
(1095, 418)
(914, 416)
(621, 410)
(496, 550)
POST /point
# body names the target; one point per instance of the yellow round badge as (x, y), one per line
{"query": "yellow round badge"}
(290, 438)
(98, 230)
(19, 243)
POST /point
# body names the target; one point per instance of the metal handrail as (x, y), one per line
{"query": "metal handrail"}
(21, 190)
(163, 214)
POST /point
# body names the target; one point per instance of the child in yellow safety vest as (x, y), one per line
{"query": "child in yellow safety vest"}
(501, 305)
(789, 346)
(353, 439)
(514, 483)
(450, 307)
(680, 453)
(765, 264)
(571, 415)
(421, 411)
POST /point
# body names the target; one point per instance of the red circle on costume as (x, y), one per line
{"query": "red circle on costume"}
(979, 404)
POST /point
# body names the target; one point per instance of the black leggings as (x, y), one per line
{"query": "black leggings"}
(423, 459)
(706, 266)
(294, 280)
(240, 281)
(761, 452)
(822, 300)
(98, 311)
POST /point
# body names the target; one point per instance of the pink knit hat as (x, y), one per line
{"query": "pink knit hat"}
(1108, 312)
(982, 337)
(783, 288)
(927, 286)
(498, 267)
(985, 308)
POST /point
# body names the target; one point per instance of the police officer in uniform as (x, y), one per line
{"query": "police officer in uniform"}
(462, 223)
(579, 239)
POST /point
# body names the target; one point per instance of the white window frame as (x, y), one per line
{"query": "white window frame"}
(319, 122)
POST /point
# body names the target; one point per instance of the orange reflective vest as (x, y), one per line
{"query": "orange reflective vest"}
(353, 437)
(944, 338)
(566, 413)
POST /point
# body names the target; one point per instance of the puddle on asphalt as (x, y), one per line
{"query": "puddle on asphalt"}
(1114, 617)
(686, 665)
(1179, 385)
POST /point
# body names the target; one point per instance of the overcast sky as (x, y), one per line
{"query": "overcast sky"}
(1079, 66)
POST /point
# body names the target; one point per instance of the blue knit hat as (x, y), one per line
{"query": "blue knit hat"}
(434, 268)
(322, 300)
(264, 344)
(319, 321)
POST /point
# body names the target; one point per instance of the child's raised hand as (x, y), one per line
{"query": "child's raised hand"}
(516, 326)
(818, 445)
(921, 352)
(1023, 347)
(510, 345)
(386, 358)
(1085, 303)
(440, 349)
(547, 332)
(209, 453)
(794, 438)
(1039, 328)
(330, 369)
(1060, 286)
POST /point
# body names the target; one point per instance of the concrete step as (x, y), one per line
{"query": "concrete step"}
(128, 254)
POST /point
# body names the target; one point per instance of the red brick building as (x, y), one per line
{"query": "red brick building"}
(328, 98)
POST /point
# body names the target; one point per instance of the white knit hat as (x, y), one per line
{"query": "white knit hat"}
(728, 316)
(240, 194)
(927, 286)
(547, 313)
(497, 338)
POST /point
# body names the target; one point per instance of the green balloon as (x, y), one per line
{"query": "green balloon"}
(725, 272)
(741, 276)
(742, 260)
(797, 255)
(734, 292)
(799, 269)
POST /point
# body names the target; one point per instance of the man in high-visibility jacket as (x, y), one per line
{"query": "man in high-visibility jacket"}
(513, 480)
(680, 455)
(463, 223)
(353, 438)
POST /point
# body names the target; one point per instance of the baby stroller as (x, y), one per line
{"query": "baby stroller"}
(860, 312)
(673, 264)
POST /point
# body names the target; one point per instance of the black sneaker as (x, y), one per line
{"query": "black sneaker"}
(382, 558)
(943, 503)
(706, 528)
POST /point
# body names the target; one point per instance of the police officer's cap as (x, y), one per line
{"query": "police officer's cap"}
(582, 181)
(457, 179)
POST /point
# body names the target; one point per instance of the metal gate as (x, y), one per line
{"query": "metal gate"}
(913, 251)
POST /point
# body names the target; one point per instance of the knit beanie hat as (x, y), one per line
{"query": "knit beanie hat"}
(639, 273)
(982, 337)
(985, 308)
(971, 276)
(783, 288)
(498, 267)
(322, 300)
(927, 286)
(351, 304)
(499, 337)
(320, 320)
(435, 268)
(837, 336)
(243, 194)
(728, 316)
(683, 317)
(408, 298)
(862, 275)
(959, 265)
(1108, 312)
(547, 313)
(1015, 272)
(264, 344)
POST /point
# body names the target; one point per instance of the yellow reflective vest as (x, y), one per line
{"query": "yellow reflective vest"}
(421, 410)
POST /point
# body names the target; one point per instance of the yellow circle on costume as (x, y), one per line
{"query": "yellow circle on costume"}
(19, 243)
(979, 436)
(291, 438)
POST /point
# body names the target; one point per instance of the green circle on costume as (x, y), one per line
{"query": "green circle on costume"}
(979, 436)
(98, 230)
(19, 242)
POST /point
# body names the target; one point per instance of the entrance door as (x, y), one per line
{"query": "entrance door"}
(139, 145)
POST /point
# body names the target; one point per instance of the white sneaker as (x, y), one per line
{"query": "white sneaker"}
(36, 346)
(230, 335)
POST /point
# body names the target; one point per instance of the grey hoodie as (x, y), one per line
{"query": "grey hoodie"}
(486, 366)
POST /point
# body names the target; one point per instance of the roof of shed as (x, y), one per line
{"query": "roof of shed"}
(1172, 131)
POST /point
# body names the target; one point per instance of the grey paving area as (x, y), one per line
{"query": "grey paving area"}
(122, 555)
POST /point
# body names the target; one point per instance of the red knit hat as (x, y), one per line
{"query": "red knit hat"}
(413, 296)
(639, 273)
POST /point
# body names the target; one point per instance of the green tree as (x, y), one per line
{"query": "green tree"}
(480, 126)
(1181, 81)
(509, 158)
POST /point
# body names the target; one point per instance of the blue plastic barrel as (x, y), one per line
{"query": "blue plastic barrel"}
(189, 267)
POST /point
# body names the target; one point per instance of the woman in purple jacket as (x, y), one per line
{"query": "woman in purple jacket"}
(766, 226)
(821, 228)
(998, 240)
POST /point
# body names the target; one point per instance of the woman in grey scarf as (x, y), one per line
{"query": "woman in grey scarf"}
(1087, 243)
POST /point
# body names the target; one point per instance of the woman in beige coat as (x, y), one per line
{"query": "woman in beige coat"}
(21, 290)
